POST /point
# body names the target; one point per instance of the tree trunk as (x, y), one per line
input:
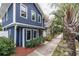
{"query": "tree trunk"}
(70, 36)
(71, 43)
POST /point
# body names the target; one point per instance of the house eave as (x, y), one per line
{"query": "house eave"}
(37, 5)
(4, 8)
(23, 25)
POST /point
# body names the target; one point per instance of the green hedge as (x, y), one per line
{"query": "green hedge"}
(48, 38)
(34, 42)
(6, 46)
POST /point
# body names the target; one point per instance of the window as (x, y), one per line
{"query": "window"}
(33, 15)
(29, 34)
(6, 16)
(39, 18)
(23, 11)
(34, 34)
(9, 33)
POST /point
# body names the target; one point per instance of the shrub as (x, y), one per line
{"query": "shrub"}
(6, 46)
(48, 38)
(34, 42)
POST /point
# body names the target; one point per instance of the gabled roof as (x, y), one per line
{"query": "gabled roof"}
(5, 6)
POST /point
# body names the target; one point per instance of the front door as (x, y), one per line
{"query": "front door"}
(19, 37)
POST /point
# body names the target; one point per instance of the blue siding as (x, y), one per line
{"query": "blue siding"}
(10, 16)
(19, 37)
(12, 31)
(30, 7)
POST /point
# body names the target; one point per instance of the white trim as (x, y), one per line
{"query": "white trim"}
(14, 12)
(15, 27)
(28, 25)
(9, 32)
(40, 18)
(41, 11)
(6, 15)
(32, 11)
(26, 11)
(8, 25)
(19, 37)
(23, 40)
(5, 6)
(36, 33)
(42, 22)
(30, 34)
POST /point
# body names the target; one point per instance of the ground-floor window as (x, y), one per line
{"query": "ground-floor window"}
(30, 35)
(34, 33)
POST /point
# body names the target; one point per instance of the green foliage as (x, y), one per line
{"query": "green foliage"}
(57, 25)
(48, 38)
(6, 46)
(0, 27)
(61, 49)
(34, 42)
(57, 22)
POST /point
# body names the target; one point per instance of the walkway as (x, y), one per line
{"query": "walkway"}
(47, 49)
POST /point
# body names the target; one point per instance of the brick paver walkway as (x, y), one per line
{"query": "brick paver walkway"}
(20, 51)
(47, 49)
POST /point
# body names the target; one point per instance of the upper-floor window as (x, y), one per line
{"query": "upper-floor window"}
(39, 18)
(33, 15)
(6, 16)
(23, 10)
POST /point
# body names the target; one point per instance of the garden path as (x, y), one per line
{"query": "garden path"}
(47, 49)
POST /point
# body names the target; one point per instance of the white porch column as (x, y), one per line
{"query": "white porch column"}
(15, 34)
(23, 39)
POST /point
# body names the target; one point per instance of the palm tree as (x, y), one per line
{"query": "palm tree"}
(70, 14)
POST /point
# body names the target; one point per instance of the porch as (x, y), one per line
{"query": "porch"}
(26, 34)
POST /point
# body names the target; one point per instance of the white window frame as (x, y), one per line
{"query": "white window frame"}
(30, 34)
(40, 18)
(9, 32)
(37, 34)
(32, 11)
(6, 16)
(26, 8)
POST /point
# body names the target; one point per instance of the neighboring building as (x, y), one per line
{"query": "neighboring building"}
(23, 21)
(47, 23)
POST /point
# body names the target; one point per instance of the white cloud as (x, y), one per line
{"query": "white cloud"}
(0, 4)
(47, 9)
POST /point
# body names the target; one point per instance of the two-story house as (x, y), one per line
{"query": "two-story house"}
(23, 21)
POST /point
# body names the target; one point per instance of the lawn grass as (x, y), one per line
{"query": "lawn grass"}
(61, 49)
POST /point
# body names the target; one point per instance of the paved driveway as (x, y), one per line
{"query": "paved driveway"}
(47, 49)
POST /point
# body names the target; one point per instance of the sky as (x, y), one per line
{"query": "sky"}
(46, 8)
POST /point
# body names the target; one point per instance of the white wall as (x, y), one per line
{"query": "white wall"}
(4, 33)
